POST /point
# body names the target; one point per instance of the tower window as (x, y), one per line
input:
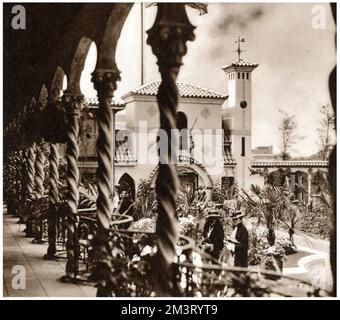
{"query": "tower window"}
(238, 75)
(242, 75)
(243, 147)
(247, 76)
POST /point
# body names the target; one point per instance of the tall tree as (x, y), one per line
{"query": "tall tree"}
(288, 135)
(326, 132)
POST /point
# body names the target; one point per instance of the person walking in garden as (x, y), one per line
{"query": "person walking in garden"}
(238, 241)
(126, 204)
(213, 234)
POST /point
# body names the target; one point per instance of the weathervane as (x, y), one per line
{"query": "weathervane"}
(238, 41)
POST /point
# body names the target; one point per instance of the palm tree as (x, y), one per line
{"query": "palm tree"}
(268, 205)
(290, 218)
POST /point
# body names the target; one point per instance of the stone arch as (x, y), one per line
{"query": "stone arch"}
(318, 179)
(43, 97)
(301, 185)
(77, 65)
(127, 183)
(56, 85)
(107, 42)
(204, 178)
(277, 177)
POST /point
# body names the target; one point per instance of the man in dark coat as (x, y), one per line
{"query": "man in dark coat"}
(213, 234)
(125, 205)
(239, 242)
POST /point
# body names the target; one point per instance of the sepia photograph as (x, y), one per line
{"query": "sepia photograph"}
(179, 150)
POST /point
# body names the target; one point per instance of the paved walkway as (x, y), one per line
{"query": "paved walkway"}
(42, 276)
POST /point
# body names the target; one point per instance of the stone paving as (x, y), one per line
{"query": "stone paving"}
(42, 276)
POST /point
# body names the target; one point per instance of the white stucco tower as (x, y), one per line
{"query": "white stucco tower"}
(236, 113)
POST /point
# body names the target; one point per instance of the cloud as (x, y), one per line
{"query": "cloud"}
(229, 18)
(241, 17)
(241, 20)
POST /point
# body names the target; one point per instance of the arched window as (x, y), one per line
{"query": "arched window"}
(182, 125)
(238, 75)
(247, 75)
(127, 184)
(242, 75)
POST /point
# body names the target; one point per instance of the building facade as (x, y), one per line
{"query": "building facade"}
(214, 138)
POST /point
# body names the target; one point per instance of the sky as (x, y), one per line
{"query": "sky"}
(294, 60)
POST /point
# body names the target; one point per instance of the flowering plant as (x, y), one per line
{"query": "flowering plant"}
(188, 226)
(276, 250)
(145, 224)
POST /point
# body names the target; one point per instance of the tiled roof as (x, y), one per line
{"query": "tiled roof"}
(124, 154)
(93, 102)
(240, 63)
(186, 90)
(294, 163)
(228, 161)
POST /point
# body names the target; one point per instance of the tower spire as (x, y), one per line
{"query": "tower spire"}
(239, 50)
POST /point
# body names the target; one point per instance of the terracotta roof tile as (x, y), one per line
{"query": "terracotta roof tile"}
(228, 160)
(124, 154)
(93, 102)
(240, 63)
(186, 90)
(294, 163)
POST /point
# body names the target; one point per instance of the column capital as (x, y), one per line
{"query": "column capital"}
(72, 103)
(105, 81)
(169, 34)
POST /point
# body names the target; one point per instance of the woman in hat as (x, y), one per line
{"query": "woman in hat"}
(238, 242)
(213, 234)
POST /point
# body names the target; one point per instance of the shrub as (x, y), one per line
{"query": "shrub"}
(188, 226)
(257, 243)
(145, 204)
(317, 221)
(144, 224)
(261, 253)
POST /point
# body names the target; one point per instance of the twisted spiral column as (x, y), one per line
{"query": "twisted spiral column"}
(23, 182)
(168, 38)
(53, 173)
(54, 198)
(105, 84)
(39, 171)
(30, 166)
(39, 188)
(31, 169)
(72, 105)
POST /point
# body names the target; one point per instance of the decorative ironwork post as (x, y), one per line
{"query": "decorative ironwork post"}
(168, 37)
(72, 104)
(54, 198)
(105, 84)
